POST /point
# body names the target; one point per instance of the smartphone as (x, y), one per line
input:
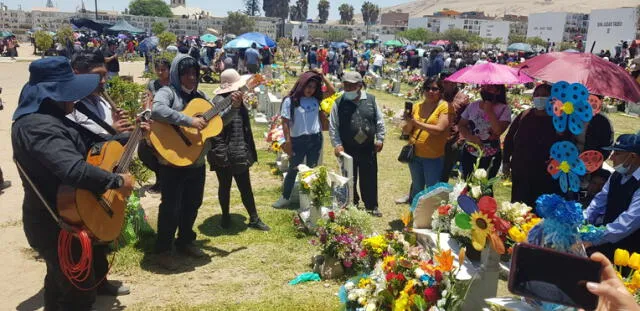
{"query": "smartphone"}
(408, 107)
(548, 275)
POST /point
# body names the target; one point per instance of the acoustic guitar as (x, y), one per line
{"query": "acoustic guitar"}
(101, 215)
(183, 145)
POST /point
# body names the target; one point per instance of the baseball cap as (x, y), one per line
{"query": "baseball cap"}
(626, 142)
(352, 77)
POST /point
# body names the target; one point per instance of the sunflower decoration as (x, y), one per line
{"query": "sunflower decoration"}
(569, 107)
(482, 221)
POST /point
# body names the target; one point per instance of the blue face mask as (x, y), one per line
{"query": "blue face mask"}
(352, 95)
(540, 102)
(620, 168)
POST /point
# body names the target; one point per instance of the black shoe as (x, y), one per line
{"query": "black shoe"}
(191, 250)
(225, 221)
(376, 212)
(259, 225)
(109, 289)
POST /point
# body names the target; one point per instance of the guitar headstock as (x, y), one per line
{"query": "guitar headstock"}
(255, 80)
(144, 116)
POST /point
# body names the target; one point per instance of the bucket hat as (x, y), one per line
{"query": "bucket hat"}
(53, 78)
(230, 81)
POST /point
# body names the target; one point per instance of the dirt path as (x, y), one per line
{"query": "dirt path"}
(22, 275)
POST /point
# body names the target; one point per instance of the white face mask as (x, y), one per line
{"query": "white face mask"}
(352, 95)
(186, 90)
(540, 102)
(620, 168)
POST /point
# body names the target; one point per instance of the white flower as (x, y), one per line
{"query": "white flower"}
(476, 192)
(457, 189)
(349, 285)
(371, 306)
(480, 174)
(418, 272)
(352, 297)
(361, 300)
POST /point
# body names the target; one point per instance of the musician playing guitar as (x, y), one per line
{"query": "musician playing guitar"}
(50, 151)
(181, 188)
(98, 115)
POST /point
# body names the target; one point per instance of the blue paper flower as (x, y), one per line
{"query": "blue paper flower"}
(427, 279)
(568, 104)
(561, 219)
(566, 165)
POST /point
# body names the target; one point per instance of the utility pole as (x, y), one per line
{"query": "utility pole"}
(96, 6)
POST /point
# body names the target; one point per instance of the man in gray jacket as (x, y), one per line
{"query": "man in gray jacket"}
(182, 188)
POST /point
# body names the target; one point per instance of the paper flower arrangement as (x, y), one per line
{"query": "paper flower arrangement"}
(568, 105)
(566, 165)
(562, 218)
(482, 221)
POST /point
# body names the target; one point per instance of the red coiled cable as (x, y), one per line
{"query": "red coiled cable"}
(80, 270)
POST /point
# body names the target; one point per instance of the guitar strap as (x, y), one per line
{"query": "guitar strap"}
(82, 108)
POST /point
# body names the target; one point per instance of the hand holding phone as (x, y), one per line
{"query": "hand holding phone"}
(548, 275)
(408, 107)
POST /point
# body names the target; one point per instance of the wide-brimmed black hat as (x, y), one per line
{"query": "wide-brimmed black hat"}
(53, 78)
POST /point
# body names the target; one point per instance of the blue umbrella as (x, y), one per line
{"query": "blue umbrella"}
(410, 47)
(259, 38)
(208, 38)
(239, 43)
(519, 47)
(149, 43)
(338, 45)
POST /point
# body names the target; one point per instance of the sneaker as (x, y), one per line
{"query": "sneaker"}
(376, 212)
(259, 225)
(225, 221)
(191, 250)
(167, 261)
(109, 289)
(403, 200)
(282, 202)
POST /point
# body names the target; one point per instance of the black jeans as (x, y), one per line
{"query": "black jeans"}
(146, 155)
(243, 181)
(491, 164)
(365, 168)
(182, 190)
(451, 156)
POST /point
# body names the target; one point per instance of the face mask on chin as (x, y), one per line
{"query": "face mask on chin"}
(621, 168)
(186, 90)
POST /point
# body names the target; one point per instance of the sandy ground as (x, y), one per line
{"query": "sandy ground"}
(22, 276)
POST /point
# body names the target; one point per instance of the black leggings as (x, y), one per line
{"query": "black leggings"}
(243, 182)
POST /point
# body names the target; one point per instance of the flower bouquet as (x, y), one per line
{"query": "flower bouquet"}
(328, 102)
(315, 182)
(622, 259)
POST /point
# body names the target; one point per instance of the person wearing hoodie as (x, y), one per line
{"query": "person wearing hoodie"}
(436, 64)
(181, 188)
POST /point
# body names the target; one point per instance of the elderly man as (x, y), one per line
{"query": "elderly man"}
(357, 128)
(617, 206)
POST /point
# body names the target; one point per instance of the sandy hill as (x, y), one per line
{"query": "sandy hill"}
(420, 8)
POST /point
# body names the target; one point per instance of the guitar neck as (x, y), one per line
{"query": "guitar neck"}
(221, 106)
(129, 150)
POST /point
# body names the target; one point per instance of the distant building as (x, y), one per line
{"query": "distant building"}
(418, 22)
(518, 24)
(446, 13)
(394, 19)
(557, 27)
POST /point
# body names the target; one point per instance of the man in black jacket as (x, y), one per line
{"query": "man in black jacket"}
(51, 151)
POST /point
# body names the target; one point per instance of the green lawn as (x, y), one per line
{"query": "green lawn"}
(249, 270)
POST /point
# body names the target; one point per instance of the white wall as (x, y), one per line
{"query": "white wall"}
(495, 29)
(548, 25)
(450, 23)
(418, 22)
(300, 31)
(607, 27)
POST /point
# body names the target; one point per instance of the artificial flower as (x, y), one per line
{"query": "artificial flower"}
(444, 209)
(562, 218)
(476, 192)
(517, 235)
(568, 104)
(481, 227)
(480, 174)
(621, 257)
(431, 294)
(444, 260)
(566, 165)
(402, 303)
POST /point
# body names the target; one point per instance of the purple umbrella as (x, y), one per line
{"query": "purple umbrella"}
(122, 36)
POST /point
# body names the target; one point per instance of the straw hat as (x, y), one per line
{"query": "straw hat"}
(230, 81)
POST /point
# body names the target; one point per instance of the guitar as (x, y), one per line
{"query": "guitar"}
(101, 215)
(183, 145)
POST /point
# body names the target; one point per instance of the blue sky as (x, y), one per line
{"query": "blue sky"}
(218, 7)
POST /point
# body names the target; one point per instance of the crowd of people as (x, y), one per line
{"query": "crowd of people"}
(446, 129)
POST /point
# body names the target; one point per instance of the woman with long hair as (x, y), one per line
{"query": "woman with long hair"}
(481, 125)
(301, 124)
(429, 130)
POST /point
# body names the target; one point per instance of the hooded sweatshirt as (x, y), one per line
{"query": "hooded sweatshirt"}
(170, 100)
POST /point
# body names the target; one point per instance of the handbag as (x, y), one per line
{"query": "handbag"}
(407, 151)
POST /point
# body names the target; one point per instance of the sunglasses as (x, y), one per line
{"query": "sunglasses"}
(432, 89)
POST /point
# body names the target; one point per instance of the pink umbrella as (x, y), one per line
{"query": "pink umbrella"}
(598, 75)
(440, 42)
(489, 73)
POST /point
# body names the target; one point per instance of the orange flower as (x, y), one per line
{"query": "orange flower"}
(427, 268)
(444, 209)
(445, 261)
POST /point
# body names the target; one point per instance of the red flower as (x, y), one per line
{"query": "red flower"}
(332, 215)
(438, 275)
(431, 294)
(488, 206)
(444, 209)
(363, 254)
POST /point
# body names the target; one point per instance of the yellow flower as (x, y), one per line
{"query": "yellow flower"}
(481, 227)
(621, 257)
(517, 235)
(530, 224)
(364, 282)
(402, 302)
(635, 280)
(634, 261)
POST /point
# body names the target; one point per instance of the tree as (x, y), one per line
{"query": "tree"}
(238, 22)
(299, 10)
(65, 34)
(166, 38)
(533, 41)
(44, 41)
(457, 35)
(334, 35)
(370, 13)
(417, 35)
(252, 7)
(323, 11)
(346, 14)
(276, 8)
(513, 38)
(158, 27)
(150, 8)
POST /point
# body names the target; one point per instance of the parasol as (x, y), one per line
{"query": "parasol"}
(394, 43)
(259, 38)
(208, 38)
(489, 73)
(598, 75)
(213, 31)
(440, 42)
(519, 47)
(239, 43)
